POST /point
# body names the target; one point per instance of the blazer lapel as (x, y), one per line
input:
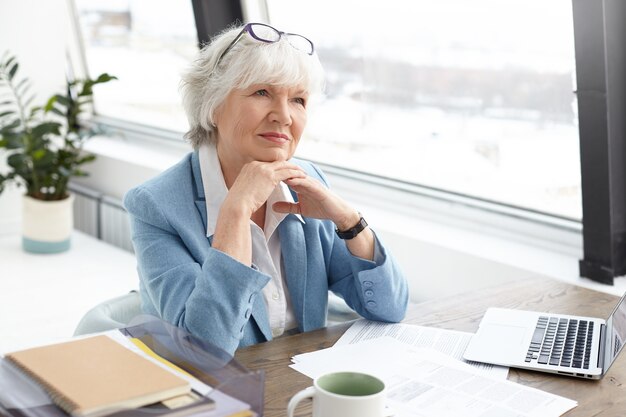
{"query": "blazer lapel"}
(293, 247)
(198, 189)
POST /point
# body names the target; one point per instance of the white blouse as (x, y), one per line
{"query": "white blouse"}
(266, 249)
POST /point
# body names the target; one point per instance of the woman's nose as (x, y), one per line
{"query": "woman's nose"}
(280, 112)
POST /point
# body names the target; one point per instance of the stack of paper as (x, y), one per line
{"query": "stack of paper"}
(423, 381)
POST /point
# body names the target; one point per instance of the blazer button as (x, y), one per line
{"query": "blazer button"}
(369, 293)
(371, 303)
(367, 284)
(248, 311)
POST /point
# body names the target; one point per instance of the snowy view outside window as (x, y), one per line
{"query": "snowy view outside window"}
(470, 97)
(146, 44)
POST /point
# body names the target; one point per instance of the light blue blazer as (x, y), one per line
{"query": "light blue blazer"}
(215, 297)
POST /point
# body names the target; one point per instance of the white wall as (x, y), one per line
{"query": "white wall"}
(35, 32)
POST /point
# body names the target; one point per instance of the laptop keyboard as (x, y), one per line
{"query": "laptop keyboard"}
(561, 342)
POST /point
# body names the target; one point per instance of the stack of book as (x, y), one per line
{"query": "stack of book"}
(99, 376)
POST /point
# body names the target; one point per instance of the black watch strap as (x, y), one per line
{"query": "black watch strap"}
(351, 233)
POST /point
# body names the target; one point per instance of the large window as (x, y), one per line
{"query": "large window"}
(470, 97)
(146, 44)
(476, 98)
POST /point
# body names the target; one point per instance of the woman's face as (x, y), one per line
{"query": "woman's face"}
(260, 123)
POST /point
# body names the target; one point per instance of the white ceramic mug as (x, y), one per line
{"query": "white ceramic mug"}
(343, 394)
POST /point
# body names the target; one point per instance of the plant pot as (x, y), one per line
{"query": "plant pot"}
(47, 225)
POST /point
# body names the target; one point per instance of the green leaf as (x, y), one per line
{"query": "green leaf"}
(50, 103)
(17, 161)
(86, 91)
(6, 113)
(34, 110)
(8, 61)
(9, 127)
(86, 158)
(13, 70)
(8, 108)
(79, 173)
(12, 141)
(57, 112)
(104, 78)
(47, 128)
(63, 100)
(38, 154)
(43, 158)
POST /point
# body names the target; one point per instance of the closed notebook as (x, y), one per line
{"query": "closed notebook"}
(96, 376)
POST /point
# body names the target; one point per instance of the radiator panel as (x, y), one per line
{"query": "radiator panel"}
(101, 216)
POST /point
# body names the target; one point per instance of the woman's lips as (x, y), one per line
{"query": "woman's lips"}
(275, 137)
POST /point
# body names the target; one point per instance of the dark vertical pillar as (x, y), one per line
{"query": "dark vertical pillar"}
(600, 39)
(213, 16)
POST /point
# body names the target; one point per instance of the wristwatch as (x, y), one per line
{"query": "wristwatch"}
(351, 233)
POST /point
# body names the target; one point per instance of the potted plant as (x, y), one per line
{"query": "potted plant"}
(43, 150)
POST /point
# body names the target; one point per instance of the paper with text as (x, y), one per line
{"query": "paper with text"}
(422, 382)
(449, 342)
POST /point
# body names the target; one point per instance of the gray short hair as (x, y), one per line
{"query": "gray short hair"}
(248, 62)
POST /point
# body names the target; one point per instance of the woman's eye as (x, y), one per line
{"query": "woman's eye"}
(300, 101)
(262, 93)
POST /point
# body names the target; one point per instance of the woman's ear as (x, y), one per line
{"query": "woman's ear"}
(216, 117)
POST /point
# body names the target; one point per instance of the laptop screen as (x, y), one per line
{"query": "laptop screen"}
(615, 332)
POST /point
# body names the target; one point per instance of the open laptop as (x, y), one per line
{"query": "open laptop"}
(583, 347)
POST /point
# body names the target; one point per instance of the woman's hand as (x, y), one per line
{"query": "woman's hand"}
(248, 193)
(256, 181)
(317, 201)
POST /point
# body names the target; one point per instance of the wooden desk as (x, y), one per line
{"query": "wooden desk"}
(606, 397)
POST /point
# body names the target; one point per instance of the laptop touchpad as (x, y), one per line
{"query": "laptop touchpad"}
(498, 343)
(507, 335)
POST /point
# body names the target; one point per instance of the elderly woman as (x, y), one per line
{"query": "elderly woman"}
(239, 242)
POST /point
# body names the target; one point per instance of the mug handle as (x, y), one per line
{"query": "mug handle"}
(295, 400)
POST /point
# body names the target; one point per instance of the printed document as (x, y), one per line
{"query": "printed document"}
(422, 382)
(449, 342)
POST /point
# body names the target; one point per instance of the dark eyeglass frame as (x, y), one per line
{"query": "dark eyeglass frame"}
(249, 29)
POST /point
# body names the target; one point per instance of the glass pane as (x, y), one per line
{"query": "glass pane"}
(470, 97)
(146, 44)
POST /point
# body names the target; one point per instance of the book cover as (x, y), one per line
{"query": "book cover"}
(95, 376)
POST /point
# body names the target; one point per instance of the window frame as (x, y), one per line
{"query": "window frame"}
(599, 38)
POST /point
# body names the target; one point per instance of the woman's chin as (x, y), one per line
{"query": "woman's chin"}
(273, 155)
